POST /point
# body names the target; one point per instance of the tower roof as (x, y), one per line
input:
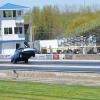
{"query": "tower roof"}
(9, 6)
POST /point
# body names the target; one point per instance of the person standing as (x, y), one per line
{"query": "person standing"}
(90, 38)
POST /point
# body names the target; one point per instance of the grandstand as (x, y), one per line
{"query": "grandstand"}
(78, 36)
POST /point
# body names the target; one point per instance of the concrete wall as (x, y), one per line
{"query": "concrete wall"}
(86, 56)
(44, 76)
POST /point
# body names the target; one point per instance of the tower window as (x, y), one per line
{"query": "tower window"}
(7, 13)
(14, 13)
(7, 30)
(18, 30)
(19, 13)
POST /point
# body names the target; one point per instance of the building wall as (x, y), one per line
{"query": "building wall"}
(53, 44)
(0, 48)
(0, 18)
(17, 21)
(37, 45)
(10, 47)
(49, 44)
(13, 36)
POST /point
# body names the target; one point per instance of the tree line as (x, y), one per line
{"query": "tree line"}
(52, 21)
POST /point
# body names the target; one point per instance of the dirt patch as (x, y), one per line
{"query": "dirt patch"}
(90, 79)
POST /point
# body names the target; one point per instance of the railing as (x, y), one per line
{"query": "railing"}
(23, 19)
(90, 46)
(19, 19)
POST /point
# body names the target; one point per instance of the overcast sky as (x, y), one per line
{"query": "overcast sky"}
(41, 3)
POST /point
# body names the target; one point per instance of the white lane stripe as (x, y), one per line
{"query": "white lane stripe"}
(49, 66)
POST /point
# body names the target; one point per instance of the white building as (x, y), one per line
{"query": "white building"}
(46, 44)
(12, 28)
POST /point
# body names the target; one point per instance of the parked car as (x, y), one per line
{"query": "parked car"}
(23, 54)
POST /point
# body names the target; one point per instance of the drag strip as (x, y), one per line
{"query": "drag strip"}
(52, 65)
(55, 62)
(49, 68)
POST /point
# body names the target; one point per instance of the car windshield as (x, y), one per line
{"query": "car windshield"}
(19, 49)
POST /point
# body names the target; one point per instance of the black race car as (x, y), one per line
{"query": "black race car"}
(23, 54)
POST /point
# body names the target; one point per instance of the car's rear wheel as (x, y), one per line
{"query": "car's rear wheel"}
(11, 60)
(26, 60)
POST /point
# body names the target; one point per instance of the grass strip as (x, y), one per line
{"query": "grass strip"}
(15, 90)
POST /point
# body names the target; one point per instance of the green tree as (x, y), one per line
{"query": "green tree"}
(48, 18)
(53, 21)
(41, 35)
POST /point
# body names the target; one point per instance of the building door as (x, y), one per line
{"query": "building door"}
(17, 45)
(26, 28)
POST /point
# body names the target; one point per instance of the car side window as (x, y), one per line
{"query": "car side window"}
(18, 49)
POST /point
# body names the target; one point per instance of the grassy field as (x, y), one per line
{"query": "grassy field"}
(12, 90)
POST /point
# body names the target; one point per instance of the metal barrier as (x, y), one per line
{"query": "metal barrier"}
(60, 56)
(41, 56)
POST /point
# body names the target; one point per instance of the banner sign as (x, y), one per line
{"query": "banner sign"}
(42, 56)
(55, 56)
(49, 56)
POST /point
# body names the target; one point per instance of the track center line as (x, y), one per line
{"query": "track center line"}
(52, 66)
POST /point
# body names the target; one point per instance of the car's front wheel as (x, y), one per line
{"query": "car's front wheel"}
(20, 55)
(15, 61)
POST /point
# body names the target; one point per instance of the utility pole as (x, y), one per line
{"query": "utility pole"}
(31, 43)
(84, 3)
(33, 28)
(31, 31)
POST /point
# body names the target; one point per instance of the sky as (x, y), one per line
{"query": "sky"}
(41, 3)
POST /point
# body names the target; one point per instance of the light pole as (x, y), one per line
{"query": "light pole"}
(33, 32)
(31, 44)
(31, 36)
(84, 3)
